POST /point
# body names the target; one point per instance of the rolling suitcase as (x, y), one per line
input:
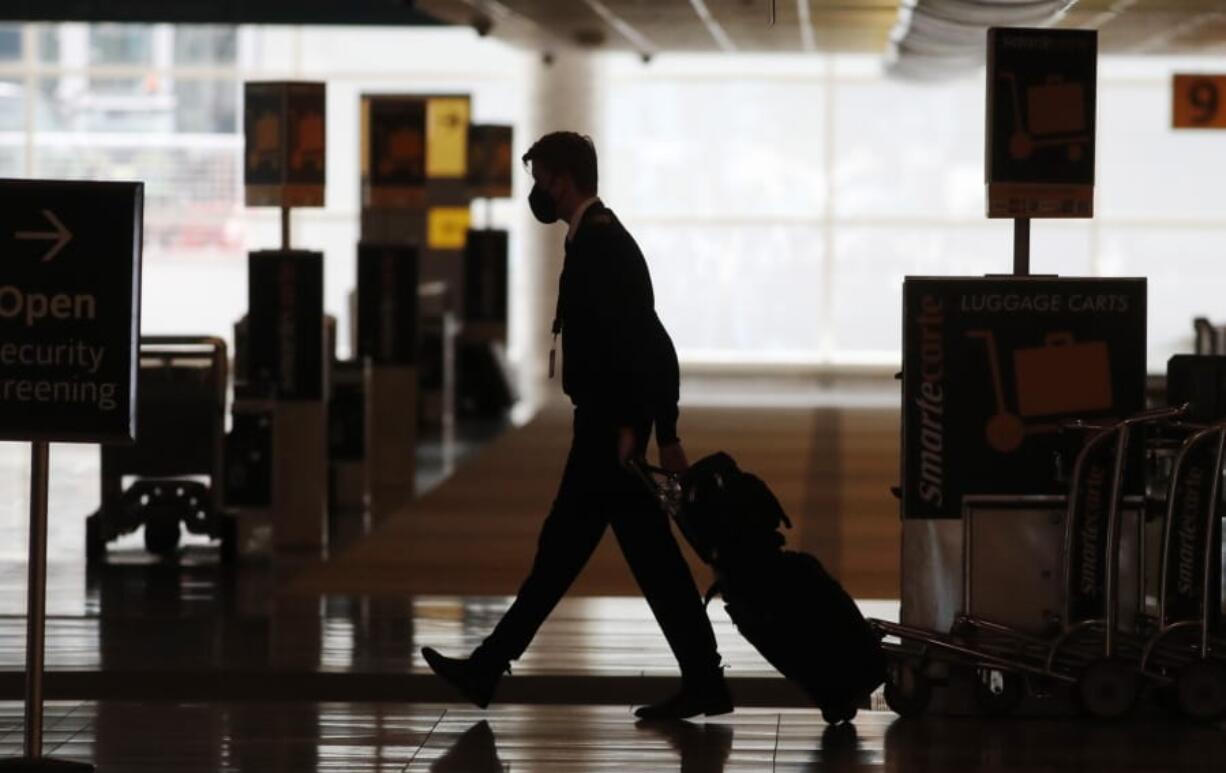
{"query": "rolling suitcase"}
(783, 602)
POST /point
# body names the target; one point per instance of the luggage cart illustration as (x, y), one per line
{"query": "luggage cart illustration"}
(1086, 649)
(1055, 117)
(402, 152)
(1062, 377)
(266, 150)
(160, 481)
(1187, 651)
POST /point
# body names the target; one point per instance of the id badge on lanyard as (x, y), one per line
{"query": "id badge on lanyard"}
(553, 350)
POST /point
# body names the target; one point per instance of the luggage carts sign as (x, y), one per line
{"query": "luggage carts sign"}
(489, 161)
(993, 367)
(394, 151)
(284, 124)
(1197, 101)
(70, 310)
(1041, 87)
(387, 303)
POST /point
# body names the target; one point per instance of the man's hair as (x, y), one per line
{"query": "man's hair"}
(566, 153)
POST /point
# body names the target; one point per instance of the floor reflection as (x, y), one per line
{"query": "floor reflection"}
(703, 748)
(475, 751)
(304, 737)
(1152, 744)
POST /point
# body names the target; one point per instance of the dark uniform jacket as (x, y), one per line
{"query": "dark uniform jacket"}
(617, 358)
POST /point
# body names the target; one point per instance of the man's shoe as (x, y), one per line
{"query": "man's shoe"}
(475, 678)
(710, 697)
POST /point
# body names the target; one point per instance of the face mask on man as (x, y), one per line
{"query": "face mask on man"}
(544, 208)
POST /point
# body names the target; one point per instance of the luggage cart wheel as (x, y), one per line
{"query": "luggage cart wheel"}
(998, 692)
(1108, 689)
(835, 714)
(162, 529)
(908, 690)
(1201, 690)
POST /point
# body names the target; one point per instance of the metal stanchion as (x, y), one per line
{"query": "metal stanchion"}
(36, 619)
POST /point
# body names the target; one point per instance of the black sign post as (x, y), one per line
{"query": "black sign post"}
(69, 331)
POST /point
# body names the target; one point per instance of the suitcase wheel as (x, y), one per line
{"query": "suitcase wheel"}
(162, 529)
(908, 689)
(837, 714)
(1201, 691)
(1108, 689)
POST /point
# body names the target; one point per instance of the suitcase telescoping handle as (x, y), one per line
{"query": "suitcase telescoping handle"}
(662, 484)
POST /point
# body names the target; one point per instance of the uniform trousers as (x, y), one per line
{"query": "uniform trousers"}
(597, 492)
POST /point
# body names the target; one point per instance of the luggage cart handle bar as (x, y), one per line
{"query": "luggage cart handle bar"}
(1122, 429)
(1189, 444)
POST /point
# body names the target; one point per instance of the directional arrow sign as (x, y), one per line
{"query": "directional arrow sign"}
(61, 235)
(69, 310)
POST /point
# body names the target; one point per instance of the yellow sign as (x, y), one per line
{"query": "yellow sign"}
(447, 228)
(447, 120)
(1198, 102)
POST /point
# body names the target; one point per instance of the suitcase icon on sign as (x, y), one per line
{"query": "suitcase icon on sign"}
(1061, 378)
(1055, 117)
(310, 146)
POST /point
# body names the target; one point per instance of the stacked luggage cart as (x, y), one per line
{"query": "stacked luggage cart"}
(174, 475)
(1110, 643)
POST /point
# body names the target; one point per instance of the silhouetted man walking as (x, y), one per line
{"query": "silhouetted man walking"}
(620, 370)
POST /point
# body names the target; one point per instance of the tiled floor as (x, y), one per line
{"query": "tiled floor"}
(213, 670)
(356, 738)
(168, 618)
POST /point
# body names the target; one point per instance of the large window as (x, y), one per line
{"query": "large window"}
(782, 200)
(162, 104)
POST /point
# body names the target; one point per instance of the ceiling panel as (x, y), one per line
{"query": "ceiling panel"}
(649, 26)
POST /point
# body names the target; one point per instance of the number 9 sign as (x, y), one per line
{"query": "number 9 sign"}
(1198, 102)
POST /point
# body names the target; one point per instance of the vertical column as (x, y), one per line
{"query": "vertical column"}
(568, 98)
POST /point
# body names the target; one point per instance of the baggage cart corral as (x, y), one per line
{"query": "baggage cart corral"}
(160, 481)
(1105, 661)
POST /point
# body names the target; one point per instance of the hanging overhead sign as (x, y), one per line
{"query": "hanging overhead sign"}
(69, 310)
(394, 151)
(1041, 86)
(490, 161)
(447, 120)
(447, 228)
(284, 160)
(1198, 102)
